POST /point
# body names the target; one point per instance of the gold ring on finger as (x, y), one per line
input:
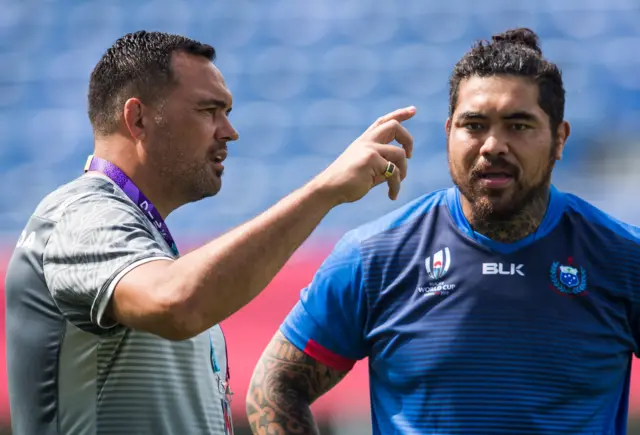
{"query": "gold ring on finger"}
(388, 172)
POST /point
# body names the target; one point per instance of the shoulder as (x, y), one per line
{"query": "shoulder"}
(360, 243)
(410, 213)
(92, 216)
(599, 221)
(88, 201)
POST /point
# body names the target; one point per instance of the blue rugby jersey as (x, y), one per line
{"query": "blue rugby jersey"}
(465, 335)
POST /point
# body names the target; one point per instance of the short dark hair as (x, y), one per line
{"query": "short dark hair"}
(514, 52)
(136, 65)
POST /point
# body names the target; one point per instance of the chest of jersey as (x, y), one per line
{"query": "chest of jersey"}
(449, 316)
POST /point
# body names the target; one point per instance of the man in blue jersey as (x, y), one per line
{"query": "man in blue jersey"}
(498, 306)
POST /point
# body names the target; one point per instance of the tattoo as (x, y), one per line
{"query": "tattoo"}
(515, 228)
(285, 383)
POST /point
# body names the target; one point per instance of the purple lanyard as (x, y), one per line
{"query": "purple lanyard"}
(131, 190)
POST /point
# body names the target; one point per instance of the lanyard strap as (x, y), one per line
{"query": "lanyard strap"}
(214, 361)
(131, 190)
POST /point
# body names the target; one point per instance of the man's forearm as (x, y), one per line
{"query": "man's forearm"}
(179, 299)
(285, 382)
(283, 413)
(279, 411)
(219, 278)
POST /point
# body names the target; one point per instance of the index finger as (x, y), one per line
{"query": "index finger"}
(393, 130)
(399, 115)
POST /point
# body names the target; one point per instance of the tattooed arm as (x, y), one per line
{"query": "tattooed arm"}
(332, 312)
(285, 383)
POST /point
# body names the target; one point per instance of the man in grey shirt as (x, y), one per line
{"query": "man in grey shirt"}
(109, 329)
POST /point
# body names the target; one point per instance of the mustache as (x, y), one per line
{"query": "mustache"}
(494, 164)
(216, 147)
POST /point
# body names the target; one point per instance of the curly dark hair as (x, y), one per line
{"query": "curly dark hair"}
(136, 65)
(514, 52)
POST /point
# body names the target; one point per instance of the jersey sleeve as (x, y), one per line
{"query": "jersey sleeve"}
(96, 241)
(327, 323)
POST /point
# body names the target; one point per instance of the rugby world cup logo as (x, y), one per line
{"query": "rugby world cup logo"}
(438, 265)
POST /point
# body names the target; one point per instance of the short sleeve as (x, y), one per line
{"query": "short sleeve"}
(328, 321)
(96, 241)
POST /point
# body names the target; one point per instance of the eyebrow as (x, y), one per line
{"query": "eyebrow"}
(518, 116)
(213, 102)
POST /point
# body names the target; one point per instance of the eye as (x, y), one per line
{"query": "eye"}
(520, 127)
(214, 111)
(473, 126)
(208, 111)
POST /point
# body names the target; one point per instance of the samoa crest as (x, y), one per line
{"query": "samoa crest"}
(568, 278)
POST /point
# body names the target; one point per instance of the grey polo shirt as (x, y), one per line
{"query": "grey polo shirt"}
(70, 371)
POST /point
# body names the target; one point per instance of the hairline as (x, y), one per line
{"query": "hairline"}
(146, 90)
(531, 78)
(455, 90)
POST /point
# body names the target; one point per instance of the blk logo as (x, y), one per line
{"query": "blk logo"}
(502, 269)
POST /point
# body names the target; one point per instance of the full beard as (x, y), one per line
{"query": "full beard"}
(505, 216)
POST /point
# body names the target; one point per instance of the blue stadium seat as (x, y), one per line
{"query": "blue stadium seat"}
(307, 78)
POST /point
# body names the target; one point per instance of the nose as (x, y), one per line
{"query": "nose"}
(494, 145)
(226, 132)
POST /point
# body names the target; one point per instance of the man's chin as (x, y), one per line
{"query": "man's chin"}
(213, 191)
(494, 206)
(204, 192)
(214, 185)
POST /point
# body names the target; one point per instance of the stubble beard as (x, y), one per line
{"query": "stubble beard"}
(181, 177)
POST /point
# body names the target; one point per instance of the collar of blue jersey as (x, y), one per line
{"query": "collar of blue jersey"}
(551, 219)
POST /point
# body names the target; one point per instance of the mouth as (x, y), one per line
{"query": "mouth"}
(219, 156)
(494, 175)
(495, 178)
(216, 159)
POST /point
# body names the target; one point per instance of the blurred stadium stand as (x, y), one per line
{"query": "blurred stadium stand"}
(307, 78)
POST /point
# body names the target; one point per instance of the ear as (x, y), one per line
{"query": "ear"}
(447, 126)
(562, 134)
(134, 118)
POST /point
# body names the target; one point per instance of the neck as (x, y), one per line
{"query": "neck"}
(148, 181)
(516, 227)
